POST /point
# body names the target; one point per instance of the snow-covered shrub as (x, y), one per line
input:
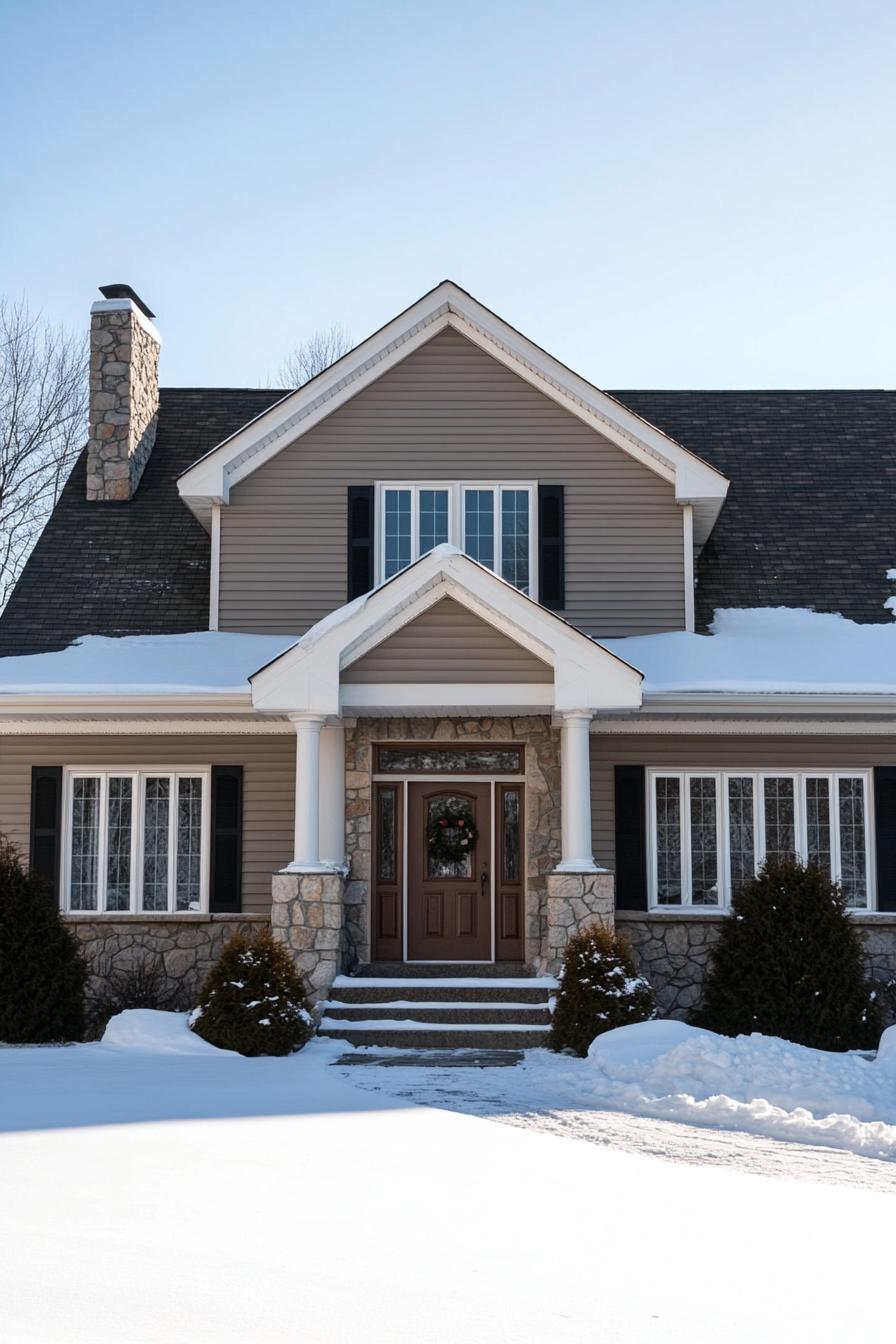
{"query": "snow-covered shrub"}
(790, 963)
(599, 989)
(42, 971)
(142, 983)
(253, 1000)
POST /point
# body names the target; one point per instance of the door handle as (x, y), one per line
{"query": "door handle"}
(483, 878)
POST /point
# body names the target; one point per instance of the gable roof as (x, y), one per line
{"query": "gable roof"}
(306, 677)
(447, 305)
(809, 519)
(136, 567)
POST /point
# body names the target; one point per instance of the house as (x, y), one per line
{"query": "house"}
(412, 663)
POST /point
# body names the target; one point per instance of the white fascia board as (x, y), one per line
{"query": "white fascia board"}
(102, 702)
(447, 305)
(306, 678)
(771, 702)
(443, 697)
(54, 725)
(656, 725)
(262, 438)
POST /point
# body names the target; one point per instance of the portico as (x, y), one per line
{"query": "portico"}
(332, 686)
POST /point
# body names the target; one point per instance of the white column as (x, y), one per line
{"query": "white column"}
(307, 835)
(332, 796)
(575, 794)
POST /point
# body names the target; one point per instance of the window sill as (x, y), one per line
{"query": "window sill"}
(156, 917)
(677, 912)
(688, 914)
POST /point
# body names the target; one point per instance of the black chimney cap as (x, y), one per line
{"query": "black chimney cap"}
(125, 292)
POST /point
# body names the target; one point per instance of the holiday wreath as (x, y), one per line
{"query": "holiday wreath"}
(453, 836)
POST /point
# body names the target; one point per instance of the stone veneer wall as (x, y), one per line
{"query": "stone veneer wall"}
(124, 402)
(542, 821)
(673, 952)
(309, 915)
(186, 947)
(574, 900)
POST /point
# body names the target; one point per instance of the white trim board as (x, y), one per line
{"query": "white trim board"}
(746, 727)
(447, 305)
(306, 677)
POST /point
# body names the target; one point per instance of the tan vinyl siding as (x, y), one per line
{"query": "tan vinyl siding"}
(718, 753)
(451, 412)
(268, 787)
(448, 643)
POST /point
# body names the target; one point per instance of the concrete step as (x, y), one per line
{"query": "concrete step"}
(414, 1035)
(355, 989)
(454, 1014)
(480, 970)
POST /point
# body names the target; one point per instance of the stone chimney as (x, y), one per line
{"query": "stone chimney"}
(124, 393)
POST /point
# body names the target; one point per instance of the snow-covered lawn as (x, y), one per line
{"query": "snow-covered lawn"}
(157, 1190)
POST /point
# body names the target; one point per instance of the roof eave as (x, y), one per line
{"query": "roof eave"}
(769, 702)
(211, 478)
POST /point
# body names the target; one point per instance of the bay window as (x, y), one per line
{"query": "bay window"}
(710, 831)
(492, 523)
(135, 841)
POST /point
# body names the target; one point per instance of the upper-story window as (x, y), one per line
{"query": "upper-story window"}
(493, 523)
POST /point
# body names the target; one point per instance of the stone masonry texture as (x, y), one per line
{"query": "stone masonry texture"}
(542, 743)
(308, 915)
(124, 403)
(185, 947)
(674, 954)
(574, 900)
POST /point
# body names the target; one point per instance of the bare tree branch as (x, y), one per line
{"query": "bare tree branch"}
(43, 424)
(312, 356)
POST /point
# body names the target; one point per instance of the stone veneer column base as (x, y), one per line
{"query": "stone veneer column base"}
(573, 901)
(307, 914)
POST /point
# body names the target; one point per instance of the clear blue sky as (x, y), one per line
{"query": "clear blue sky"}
(673, 194)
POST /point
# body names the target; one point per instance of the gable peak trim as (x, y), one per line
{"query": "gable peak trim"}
(211, 478)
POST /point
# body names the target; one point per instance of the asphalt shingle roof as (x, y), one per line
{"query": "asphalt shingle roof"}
(810, 519)
(137, 567)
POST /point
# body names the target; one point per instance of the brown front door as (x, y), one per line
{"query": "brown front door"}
(449, 902)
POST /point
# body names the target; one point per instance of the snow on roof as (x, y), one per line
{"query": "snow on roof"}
(209, 661)
(760, 650)
(768, 650)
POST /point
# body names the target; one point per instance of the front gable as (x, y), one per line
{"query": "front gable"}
(451, 412)
(447, 643)
(448, 306)
(307, 678)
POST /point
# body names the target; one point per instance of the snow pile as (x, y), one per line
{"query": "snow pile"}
(157, 1032)
(209, 661)
(755, 1083)
(767, 649)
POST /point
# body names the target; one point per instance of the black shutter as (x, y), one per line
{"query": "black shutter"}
(885, 835)
(631, 838)
(46, 818)
(227, 839)
(551, 556)
(360, 540)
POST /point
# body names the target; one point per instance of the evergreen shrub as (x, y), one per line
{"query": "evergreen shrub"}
(253, 1000)
(600, 989)
(42, 969)
(789, 962)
